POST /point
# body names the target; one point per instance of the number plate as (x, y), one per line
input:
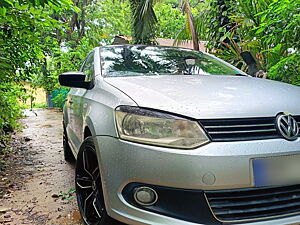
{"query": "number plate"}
(280, 170)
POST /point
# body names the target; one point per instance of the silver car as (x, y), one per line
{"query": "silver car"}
(167, 135)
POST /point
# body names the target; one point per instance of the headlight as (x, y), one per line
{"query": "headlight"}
(156, 128)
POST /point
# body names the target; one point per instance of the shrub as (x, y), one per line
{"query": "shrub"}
(59, 97)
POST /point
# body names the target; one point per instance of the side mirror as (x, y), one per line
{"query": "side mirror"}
(74, 80)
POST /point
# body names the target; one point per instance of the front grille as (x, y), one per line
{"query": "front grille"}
(242, 129)
(254, 203)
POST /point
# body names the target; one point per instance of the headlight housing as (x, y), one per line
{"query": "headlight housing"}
(156, 128)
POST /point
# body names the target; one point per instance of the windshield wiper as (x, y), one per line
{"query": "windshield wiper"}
(240, 75)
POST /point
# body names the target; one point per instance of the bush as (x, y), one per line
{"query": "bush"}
(59, 97)
(10, 108)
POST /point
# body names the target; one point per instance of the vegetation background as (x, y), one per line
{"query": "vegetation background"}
(39, 39)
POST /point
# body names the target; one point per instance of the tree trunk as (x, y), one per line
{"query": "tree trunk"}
(188, 12)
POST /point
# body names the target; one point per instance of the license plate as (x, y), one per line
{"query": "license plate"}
(279, 170)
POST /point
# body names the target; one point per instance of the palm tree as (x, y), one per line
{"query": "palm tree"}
(190, 22)
(144, 21)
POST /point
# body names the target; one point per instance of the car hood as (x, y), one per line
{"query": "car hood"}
(210, 96)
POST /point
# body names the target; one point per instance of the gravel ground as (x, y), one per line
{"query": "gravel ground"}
(37, 185)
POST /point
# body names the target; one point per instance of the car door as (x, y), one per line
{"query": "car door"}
(79, 99)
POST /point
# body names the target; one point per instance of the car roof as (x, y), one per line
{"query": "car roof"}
(139, 45)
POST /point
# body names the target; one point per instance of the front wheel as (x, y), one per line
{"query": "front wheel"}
(88, 187)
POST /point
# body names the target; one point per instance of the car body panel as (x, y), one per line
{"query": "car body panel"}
(211, 96)
(230, 163)
(98, 117)
(76, 96)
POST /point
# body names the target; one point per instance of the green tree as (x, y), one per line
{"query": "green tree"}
(170, 20)
(23, 43)
(267, 29)
(102, 21)
(279, 30)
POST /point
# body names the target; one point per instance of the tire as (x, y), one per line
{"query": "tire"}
(68, 154)
(88, 185)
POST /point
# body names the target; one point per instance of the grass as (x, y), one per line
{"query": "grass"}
(35, 105)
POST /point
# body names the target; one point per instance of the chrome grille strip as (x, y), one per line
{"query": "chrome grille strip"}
(241, 131)
(251, 204)
(240, 126)
(257, 209)
(271, 199)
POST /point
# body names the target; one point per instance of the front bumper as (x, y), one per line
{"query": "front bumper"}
(215, 166)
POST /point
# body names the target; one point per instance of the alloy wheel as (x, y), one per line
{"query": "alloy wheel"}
(88, 186)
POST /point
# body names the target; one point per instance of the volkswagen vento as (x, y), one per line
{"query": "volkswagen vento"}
(166, 135)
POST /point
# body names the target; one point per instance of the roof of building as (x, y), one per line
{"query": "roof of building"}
(119, 39)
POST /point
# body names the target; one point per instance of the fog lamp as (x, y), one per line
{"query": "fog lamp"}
(145, 196)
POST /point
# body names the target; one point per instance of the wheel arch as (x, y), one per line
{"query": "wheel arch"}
(88, 129)
(87, 132)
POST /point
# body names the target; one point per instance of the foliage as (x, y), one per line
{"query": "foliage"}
(7, 4)
(9, 109)
(268, 29)
(35, 105)
(25, 36)
(287, 69)
(102, 21)
(106, 19)
(70, 60)
(190, 23)
(280, 32)
(65, 196)
(59, 97)
(194, 27)
(244, 19)
(170, 20)
(144, 21)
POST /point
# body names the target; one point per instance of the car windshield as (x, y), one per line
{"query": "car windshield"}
(120, 61)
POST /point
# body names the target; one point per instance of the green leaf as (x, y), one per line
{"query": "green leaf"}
(23, 7)
(68, 198)
(3, 11)
(9, 2)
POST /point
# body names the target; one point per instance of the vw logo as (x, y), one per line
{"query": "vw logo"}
(287, 127)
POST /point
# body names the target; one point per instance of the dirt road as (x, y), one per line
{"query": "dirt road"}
(37, 187)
